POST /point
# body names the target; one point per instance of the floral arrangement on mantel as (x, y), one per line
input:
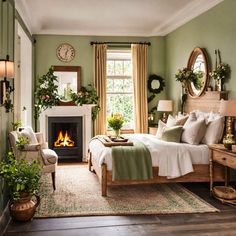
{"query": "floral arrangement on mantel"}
(186, 76)
(116, 121)
(46, 95)
(87, 95)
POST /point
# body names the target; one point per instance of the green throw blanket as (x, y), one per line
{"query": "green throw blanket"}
(131, 162)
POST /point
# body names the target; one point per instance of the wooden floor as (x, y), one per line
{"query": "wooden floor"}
(217, 224)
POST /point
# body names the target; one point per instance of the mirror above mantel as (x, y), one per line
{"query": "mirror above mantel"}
(68, 81)
(198, 61)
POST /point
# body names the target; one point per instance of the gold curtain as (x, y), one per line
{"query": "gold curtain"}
(140, 67)
(100, 58)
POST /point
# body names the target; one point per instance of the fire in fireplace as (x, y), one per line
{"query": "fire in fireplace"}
(65, 137)
(64, 140)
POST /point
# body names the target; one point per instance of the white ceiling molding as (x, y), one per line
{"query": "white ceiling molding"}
(109, 17)
(189, 12)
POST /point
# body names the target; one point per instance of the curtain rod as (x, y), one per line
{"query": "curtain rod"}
(124, 43)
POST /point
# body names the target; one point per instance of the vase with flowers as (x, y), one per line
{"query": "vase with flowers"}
(221, 72)
(187, 76)
(116, 121)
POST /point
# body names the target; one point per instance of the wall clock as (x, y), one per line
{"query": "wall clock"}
(65, 52)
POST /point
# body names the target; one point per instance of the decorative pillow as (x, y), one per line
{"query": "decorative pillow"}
(171, 121)
(172, 134)
(202, 114)
(161, 126)
(25, 134)
(193, 130)
(29, 131)
(214, 131)
(178, 120)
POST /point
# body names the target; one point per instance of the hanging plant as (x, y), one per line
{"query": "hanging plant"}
(46, 94)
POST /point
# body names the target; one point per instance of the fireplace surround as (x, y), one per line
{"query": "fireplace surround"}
(70, 111)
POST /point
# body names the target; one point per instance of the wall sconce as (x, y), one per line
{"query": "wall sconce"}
(6, 71)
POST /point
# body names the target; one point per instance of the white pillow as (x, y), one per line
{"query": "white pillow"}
(25, 134)
(202, 114)
(193, 130)
(214, 130)
(171, 121)
(33, 138)
(160, 129)
(178, 120)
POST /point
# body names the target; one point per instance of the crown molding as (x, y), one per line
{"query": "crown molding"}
(189, 12)
(193, 9)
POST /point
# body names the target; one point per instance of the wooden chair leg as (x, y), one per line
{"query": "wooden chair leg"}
(104, 180)
(53, 180)
(90, 161)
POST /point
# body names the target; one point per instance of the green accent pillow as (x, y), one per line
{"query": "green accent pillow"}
(172, 134)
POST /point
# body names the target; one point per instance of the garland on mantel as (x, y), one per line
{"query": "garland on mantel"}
(46, 95)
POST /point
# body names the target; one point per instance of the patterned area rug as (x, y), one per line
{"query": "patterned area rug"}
(78, 194)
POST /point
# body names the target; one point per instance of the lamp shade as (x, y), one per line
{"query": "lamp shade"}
(6, 69)
(165, 105)
(227, 107)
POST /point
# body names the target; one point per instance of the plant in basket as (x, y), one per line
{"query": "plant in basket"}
(116, 121)
(23, 181)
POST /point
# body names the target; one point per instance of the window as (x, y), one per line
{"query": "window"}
(120, 86)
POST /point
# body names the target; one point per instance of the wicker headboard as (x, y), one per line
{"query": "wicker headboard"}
(210, 101)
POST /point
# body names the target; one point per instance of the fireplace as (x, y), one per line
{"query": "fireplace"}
(65, 137)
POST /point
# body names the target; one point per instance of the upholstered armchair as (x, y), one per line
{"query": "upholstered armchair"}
(37, 149)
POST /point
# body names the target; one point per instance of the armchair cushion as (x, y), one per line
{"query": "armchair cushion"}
(49, 156)
(32, 147)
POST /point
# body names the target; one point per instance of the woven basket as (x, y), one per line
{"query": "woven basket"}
(224, 192)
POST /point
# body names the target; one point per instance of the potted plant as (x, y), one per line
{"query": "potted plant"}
(116, 121)
(23, 181)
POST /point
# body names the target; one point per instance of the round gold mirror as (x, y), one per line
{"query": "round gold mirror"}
(199, 64)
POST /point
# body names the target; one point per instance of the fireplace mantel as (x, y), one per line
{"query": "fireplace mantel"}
(85, 111)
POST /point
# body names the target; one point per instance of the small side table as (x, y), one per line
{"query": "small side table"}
(152, 130)
(222, 156)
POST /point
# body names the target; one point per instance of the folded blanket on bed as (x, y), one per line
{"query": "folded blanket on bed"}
(133, 162)
(130, 162)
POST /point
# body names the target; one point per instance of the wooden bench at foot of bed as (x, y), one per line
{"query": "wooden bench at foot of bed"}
(201, 174)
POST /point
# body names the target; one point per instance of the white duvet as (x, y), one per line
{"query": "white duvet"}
(173, 159)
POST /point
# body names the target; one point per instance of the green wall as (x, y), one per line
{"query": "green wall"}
(214, 29)
(6, 47)
(45, 51)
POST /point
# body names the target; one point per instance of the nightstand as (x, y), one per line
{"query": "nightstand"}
(219, 154)
(152, 130)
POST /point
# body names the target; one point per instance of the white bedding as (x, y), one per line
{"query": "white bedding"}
(173, 159)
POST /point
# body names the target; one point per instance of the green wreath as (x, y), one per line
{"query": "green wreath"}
(155, 84)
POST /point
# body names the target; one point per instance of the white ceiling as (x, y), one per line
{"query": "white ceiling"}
(109, 17)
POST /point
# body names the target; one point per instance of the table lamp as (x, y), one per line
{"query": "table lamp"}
(228, 108)
(165, 106)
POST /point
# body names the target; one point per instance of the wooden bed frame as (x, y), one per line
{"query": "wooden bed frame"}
(208, 102)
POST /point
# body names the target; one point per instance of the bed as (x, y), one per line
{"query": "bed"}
(99, 156)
